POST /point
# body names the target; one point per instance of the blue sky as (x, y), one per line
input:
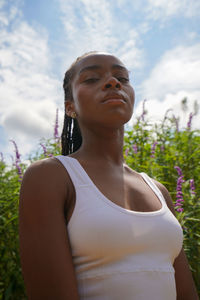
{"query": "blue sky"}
(158, 40)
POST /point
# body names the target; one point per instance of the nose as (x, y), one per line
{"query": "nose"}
(112, 82)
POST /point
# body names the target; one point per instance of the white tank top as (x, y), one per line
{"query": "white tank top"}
(120, 254)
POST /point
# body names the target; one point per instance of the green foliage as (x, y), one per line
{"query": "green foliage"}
(159, 149)
(11, 283)
(154, 149)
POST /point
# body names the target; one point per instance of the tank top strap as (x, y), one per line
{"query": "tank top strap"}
(154, 187)
(74, 170)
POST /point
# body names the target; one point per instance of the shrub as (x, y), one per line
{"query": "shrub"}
(169, 155)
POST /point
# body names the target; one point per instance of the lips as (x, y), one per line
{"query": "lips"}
(114, 97)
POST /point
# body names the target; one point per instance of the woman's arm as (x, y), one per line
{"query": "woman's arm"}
(44, 246)
(185, 286)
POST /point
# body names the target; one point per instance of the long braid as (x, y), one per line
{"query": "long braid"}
(66, 140)
(76, 136)
(71, 138)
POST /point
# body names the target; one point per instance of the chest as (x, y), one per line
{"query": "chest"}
(126, 189)
(100, 230)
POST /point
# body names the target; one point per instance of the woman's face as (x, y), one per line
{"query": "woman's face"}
(101, 92)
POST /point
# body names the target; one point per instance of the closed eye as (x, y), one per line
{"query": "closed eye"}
(91, 80)
(123, 79)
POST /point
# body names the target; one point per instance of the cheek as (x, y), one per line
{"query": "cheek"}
(80, 97)
(132, 95)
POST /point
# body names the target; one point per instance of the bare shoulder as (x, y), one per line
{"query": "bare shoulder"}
(166, 195)
(44, 196)
(46, 180)
(47, 167)
(131, 172)
(46, 188)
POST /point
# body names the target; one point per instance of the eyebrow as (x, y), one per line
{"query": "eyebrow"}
(97, 67)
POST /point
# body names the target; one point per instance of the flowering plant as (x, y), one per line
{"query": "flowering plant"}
(163, 151)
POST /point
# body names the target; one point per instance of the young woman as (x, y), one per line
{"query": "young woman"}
(91, 227)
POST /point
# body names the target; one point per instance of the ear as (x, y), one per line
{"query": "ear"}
(69, 108)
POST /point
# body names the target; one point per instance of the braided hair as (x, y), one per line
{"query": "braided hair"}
(71, 138)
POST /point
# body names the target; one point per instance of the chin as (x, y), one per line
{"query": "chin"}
(118, 120)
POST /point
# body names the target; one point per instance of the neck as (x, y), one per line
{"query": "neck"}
(103, 145)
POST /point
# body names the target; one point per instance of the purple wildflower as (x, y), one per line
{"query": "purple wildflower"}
(144, 112)
(190, 121)
(162, 148)
(56, 126)
(45, 152)
(16, 150)
(17, 161)
(178, 169)
(153, 149)
(44, 149)
(179, 209)
(192, 187)
(126, 151)
(179, 193)
(135, 149)
(19, 171)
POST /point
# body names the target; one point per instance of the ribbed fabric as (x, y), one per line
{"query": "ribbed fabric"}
(120, 254)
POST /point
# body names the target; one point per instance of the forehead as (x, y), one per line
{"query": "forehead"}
(98, 60)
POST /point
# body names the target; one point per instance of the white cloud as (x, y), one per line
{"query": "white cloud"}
(156, 109)
(13, 12)
(160, 10)
(29, 92)
(163, 9)
(192, 35)
(93, 25)
(88, 25)
(130, 54)
(177, 70)
(175, 77)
